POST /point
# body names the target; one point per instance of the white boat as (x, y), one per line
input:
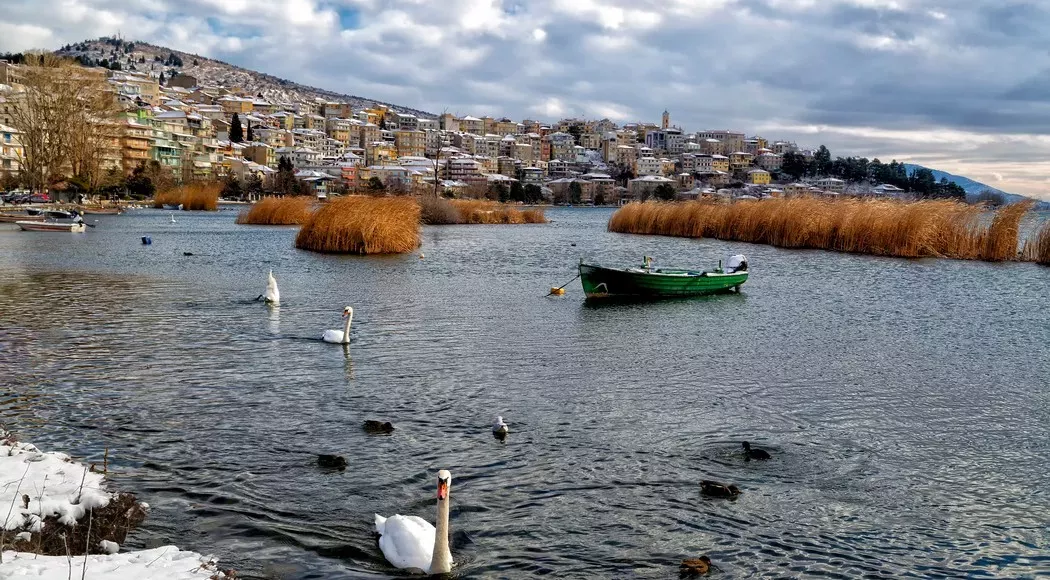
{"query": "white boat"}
(51, 226)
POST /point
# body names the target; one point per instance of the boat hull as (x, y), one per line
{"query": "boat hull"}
(50, 227)
(599, 282)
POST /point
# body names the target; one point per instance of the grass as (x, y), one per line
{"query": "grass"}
(197, 196)
(362, 225)
(278, 211)
(440, 211)
(915, 229)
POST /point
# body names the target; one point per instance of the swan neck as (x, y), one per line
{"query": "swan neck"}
(346, 328)
(441, 561)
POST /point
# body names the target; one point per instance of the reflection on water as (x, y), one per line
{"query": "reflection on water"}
(903, 401)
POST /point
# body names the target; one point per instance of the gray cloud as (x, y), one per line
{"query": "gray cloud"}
(844, 72)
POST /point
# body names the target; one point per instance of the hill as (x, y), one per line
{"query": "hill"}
(972, 188)
(142, 57)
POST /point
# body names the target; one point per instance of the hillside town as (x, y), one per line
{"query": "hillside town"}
(193, 129)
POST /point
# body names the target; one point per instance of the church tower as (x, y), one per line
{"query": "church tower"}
(666, 123)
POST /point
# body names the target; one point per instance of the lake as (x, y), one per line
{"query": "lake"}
(905, 402)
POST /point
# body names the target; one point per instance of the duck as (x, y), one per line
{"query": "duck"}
(718, 489)
(694, 567)
(372, 426)
(499, 427)
(750, 453)
(411, 543)
(331, 461)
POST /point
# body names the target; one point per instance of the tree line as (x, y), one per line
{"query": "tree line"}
(921, 181)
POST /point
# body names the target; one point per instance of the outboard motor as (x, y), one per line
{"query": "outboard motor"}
(737, 263)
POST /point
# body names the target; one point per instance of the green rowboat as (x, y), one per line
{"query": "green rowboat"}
(648, 282)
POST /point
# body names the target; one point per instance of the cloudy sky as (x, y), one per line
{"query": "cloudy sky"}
(957, 85)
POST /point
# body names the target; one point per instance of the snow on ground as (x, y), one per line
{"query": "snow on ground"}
(164, 563)
(52, 482)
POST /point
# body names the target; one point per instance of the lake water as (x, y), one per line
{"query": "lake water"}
(905, 402)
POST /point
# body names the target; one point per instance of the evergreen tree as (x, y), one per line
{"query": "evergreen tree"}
(664, 191)
(251, 136)
(517, 192)
(236, 132)
(375, 184)
(161, 80)
(575, 192)
(284, 182)
(231, 188)
(822, 161)
(533, 193)
(794, 164)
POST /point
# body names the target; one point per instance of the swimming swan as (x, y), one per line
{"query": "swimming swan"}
(172, 218)
(340, 336)
(272, 295)
(411, 543)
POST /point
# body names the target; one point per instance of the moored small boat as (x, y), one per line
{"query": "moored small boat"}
(648, 282)
(40, 226)
(102, 211)
(10, 218)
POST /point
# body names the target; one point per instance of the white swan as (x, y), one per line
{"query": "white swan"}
(272, 295)
(411, 543)
(172, 218)
(499, 427)
(340, 336)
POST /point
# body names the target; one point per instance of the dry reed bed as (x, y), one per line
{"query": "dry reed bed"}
(362, 225)
(1037, 248)
(440, 211)
(932, 228)
(201, 196)
(278, 211)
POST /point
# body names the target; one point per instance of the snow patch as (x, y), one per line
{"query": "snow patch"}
(164, 563)
(51, 482)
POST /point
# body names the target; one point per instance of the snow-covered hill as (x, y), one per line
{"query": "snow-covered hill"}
(155, 60)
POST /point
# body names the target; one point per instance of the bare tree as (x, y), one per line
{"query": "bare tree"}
(64, 114)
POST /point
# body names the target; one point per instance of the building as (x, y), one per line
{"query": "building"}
(261, 154)
(531, 176)
(730, 140)
(184, 81)
(643, 187)
(758, 177)
(136, 144)
(466, 169)
(410, 142)
(769, 161)
(831, 184)
(11, 152)
(473, 125)
(740, 160)
(648, 166)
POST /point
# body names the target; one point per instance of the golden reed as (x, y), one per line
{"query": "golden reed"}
(440, 211)
(907, 229)
(197, 196)
(362, 225)
(278, 211)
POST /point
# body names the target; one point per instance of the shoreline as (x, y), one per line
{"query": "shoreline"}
(60, 516)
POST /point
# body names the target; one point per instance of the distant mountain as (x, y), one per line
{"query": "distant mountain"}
(972, 188)
(141, 57)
